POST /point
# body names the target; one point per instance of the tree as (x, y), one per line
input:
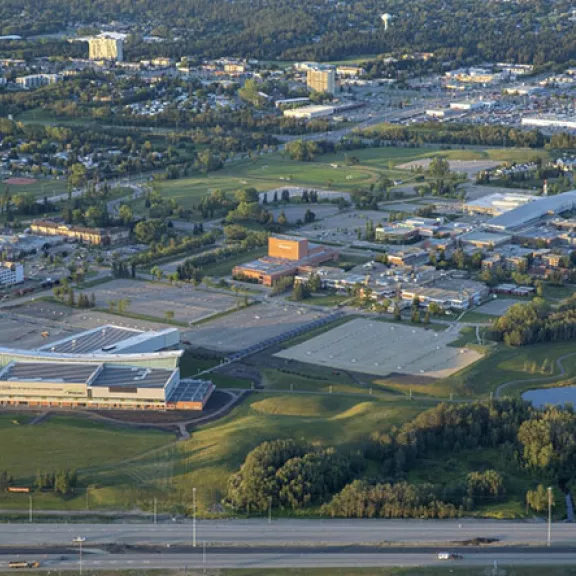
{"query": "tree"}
(156, 273)
(397, 312)
(298, 292)
(439, 171)
(169, 315)
(282, 220)
(537, 499)
(125, 214)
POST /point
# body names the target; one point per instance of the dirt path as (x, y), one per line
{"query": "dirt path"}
(40, 418)
(554, 377)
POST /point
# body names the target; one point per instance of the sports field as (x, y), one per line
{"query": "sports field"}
(383, 348)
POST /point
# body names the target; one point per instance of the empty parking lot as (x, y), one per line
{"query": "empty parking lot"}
(250, 326)
(383, 348)
(189, 304)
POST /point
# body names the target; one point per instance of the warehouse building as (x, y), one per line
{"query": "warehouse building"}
(496, 204)
(534, 212)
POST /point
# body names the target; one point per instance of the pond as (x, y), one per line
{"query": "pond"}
(543, 396)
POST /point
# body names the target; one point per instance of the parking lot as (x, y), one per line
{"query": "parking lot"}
(383, 348)
(342, 227)
(250, 326)
(189, 304)
(498, 307)
(23, 326)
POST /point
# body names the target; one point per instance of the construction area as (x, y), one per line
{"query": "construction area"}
(250, 326)
(384, 348)
(183, 303)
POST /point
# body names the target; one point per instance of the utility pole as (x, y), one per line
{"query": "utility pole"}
(204, 556)
(269, 509)
(549, 516)
(80, 557)
(30, 508)
(194, 518)
(155, 509)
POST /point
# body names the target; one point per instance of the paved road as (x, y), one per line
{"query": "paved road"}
(258, 532)
(101, 561)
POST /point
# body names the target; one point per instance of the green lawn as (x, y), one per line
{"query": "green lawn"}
(66, 442)
(40, 188)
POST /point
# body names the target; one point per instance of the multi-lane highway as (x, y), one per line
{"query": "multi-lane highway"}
(259, 532)
(284, 543)
(207, 559)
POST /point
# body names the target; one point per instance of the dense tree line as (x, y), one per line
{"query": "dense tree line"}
(461, 30)
(63, 482)
(288, 474)
(532, 322)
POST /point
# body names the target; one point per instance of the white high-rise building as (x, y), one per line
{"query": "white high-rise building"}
(11, 273)
(103, 48)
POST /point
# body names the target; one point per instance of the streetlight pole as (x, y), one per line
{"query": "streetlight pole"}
(80, 557)
(30, 508)
(549, 515)
(155, 509)
(269, 509)
(194, 518)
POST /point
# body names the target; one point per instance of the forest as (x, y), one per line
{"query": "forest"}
(373, 479)
(463, 30)
(533, 322)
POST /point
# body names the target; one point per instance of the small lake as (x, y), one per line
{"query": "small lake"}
(543, 396)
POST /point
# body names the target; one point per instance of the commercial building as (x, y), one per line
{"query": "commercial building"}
(104, 48)
(11, 273)
(321, 79)
(550, 122)
(99, 236)
(397, 234)
(485, 239)
(350, 71)
(37, 80)
(286, 256)
(308, 112)
(470, 105)
(533, 212)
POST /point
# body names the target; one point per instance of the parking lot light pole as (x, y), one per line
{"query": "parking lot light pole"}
(194, 518)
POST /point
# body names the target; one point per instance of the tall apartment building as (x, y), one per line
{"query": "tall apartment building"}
(321, 79)
(11, 273)
(102, 48)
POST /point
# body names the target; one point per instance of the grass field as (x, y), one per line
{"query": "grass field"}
(224, 268)
(275, 170)
(54, 445)
(40, 188)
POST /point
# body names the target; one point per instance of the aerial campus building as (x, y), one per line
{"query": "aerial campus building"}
(287, 255)
(104, 368)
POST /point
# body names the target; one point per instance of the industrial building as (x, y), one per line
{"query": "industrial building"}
(105, 368)
(98, 236)
(286, 255)
(534, 211)
(309, 112)
(11, 273)
(321, 79)
(496, 204)
(550, 122)
(105, 48)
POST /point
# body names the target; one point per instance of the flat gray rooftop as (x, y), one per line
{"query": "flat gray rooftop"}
(119, 376)
(91, 341)
(49, 372)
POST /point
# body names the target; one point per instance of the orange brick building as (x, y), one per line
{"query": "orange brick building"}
(286, 255)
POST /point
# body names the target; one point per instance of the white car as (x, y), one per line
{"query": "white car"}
(79, 539)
